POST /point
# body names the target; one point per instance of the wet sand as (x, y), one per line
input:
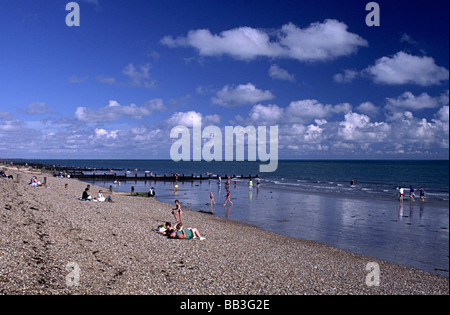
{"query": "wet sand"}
(52, 243)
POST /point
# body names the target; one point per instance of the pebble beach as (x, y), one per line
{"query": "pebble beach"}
(54, 244)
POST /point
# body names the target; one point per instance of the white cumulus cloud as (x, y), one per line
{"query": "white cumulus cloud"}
(320, 41)
(408, 101)
(310, 109)
(403, 68)
(278, 73)
(243, 94)
(187, 119)
(114, 111)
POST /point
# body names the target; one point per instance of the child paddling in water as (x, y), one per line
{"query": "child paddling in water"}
(228, 199)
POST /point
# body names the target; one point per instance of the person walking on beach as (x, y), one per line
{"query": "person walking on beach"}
(211, 197)
(411, 193)
(401, 192)
(177, 211)
(422, 194)
(228, 199)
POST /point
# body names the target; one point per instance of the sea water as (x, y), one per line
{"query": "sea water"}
(314, 200)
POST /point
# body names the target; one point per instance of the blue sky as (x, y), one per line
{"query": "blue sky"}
(116, 85)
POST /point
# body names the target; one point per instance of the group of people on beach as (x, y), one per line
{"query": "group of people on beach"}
(227, 187)
(177, 212)
(412, 194)
(179, 232)
(100, 197)
(227, 199)
(34, 182)
(228, 196)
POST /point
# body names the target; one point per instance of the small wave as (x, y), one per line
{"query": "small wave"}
(326, 187)
(292, 184)
(435, 194)
(286, 183)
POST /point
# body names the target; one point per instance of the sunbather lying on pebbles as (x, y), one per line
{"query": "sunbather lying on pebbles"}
(166, 229)
(188, 233)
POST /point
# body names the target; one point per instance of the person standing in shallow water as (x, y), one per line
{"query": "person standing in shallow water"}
(401, 192)
(422, 194)
(228, 199)
(411, 193)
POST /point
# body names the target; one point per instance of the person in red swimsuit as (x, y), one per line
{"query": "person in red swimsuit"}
(228, 199)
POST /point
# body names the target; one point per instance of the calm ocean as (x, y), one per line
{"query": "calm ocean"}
(314, 200)
(376, 179)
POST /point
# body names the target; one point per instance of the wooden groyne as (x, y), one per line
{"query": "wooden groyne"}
(103, 174)
(146, 177)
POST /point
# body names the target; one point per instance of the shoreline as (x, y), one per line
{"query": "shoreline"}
(45, 229)
(402, 233)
